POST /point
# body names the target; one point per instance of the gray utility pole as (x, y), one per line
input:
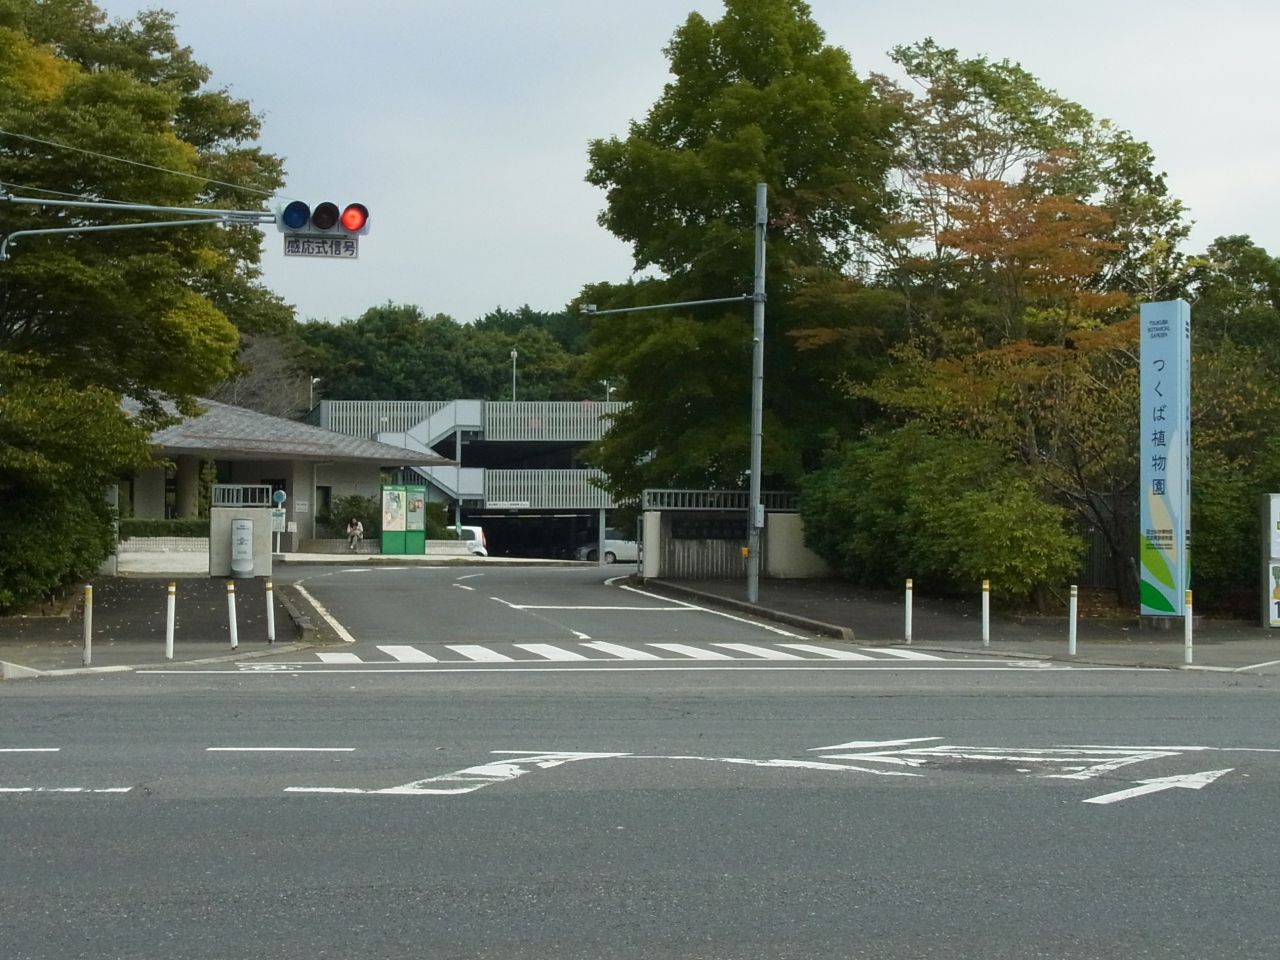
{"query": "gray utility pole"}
(757, 399)
(513, 376)
(755, 522)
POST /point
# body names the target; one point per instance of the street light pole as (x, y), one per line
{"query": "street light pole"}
(513, 376)
(756, 522)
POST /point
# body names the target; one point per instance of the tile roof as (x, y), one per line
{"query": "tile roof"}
(227, 432)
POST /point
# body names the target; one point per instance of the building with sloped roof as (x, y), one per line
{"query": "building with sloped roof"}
(312, 465)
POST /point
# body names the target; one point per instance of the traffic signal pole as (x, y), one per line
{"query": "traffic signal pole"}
(196, 215)
(755, 523)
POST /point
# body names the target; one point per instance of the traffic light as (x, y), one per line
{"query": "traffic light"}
(325, 220)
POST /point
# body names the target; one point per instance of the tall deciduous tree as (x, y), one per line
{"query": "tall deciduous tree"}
(757, 96)
(116, 111)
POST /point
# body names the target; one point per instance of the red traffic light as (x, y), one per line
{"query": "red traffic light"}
(354, 217)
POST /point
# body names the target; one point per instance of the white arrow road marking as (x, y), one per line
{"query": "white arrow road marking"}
(1188, 781)
(868, 744)
(463, 586)
(471, 779)
(475, 778)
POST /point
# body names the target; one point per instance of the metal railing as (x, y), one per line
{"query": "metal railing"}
(546, 490)
(240, 495)
(548, 420)
(368, 418)
(736, 500)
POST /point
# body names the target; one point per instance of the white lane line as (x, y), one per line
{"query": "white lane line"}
(279, 749)
(320, 670)
(624, 653)
(907, 654)
(338, 628)
(480, 654)
(580, 636)
(697, 653)
(832, 652)
(463, 586)
(550, 651)
(1188, 781)
(766, 653)
(339, 658)
(65, 789)
(468, 576)
(1257, 666)
(29, 749)
(718, 613)
(406, 654)
(532, 606)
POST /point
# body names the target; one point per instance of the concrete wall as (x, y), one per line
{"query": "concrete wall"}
(787, 557)
(220, 539)
(652, 543)
(148, 493)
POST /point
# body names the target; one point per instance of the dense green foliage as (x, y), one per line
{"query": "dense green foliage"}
(399, 353)
(946, 510)
(954, 268)
(86, 318)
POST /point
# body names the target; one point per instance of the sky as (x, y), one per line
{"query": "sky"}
(463, 124)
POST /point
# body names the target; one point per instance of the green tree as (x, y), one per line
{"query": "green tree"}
(397, 352)
(757, 96)
(114, 111)
(944, 509)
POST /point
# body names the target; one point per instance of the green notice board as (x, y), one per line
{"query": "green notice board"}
(404, 519)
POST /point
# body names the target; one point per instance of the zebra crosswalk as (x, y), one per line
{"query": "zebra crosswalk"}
(601, 651)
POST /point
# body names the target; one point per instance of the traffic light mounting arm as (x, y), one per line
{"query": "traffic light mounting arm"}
(202, 215)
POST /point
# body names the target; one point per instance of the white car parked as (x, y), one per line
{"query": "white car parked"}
(616, 548)
(475, 540)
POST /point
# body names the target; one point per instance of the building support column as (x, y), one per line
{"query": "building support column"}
(187, 482)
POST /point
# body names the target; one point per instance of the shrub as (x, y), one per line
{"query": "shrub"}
(154, 527)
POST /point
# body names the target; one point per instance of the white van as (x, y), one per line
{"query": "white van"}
(474, 538)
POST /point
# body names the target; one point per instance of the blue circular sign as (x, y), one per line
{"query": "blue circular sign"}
(279, 496)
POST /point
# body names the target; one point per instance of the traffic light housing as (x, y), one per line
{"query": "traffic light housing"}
(325, 220)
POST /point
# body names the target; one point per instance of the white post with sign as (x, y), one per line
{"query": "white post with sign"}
(1271, 560)
(278, 517)
(1164, 494)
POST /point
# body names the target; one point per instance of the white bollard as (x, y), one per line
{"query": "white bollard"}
(1186, 630)
(271, 614)
(231, 613)
(1071, 621)
(986, 613)
(908, 623)
(168, 621)
(88, 625)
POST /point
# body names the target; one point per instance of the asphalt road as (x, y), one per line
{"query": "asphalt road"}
(911, 810)
(456, 618)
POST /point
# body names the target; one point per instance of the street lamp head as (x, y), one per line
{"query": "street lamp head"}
(587, 308)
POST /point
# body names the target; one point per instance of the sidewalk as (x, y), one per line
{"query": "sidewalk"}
(876, 617)
(129, 626)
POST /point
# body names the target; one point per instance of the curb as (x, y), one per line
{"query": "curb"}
(1066, 658)
(741, 606)
(302, 628)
